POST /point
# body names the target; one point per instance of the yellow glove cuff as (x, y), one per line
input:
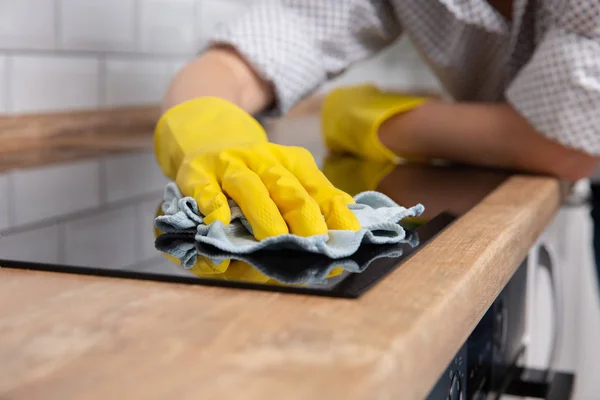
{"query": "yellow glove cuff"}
(382, 110)
(198, 125)
(352, 117)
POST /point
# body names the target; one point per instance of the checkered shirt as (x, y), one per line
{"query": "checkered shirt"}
(545, 63)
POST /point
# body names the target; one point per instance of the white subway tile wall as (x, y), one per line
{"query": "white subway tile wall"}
(106, 25)
(27, 24)
(167, 26)
(51, 83)
(76, 54)
(133, 81)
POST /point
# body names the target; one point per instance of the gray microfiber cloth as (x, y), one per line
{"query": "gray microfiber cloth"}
(299, 268)
(378, 215)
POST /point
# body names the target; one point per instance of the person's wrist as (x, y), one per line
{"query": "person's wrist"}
(222, 72)
(400, 133)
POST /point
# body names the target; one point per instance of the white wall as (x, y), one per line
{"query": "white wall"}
(80, 54)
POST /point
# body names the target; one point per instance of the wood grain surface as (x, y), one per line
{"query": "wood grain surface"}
(77, 337)
(18, 128)
(36, 140)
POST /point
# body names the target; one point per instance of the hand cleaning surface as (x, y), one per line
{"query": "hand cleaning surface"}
(377, 215)
(215, 151)
(279, 189)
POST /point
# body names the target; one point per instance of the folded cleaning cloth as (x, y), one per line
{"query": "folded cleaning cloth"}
(378, 215)
(300, 268)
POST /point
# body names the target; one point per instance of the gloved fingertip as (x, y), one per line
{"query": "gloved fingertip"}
(315, 229)
(350, 223)
(342, 218)
(269, 228)
(346, 198)
(262, 234)
(222, 214)
(306, 220)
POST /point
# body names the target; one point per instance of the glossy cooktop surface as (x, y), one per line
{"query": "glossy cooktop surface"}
(96, 216)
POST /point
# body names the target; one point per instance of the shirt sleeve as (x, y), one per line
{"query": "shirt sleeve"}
(298, 44)
(558, 90)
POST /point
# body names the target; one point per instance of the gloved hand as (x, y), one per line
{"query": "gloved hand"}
(351, 118)
(214, 150)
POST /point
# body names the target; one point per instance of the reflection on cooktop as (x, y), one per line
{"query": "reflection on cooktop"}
(185, 261)
(266, 267)
(96, 216)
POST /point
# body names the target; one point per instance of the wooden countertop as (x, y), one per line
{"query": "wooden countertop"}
(65, 336)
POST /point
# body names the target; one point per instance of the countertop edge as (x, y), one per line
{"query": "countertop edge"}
(497, 235)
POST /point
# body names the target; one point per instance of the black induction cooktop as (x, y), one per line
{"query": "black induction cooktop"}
(95, 217)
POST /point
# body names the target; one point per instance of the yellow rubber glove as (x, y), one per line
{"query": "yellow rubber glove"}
(351, 118)
(214, 150)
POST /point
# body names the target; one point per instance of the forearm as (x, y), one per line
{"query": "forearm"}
(220, 72)
(491, 135)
